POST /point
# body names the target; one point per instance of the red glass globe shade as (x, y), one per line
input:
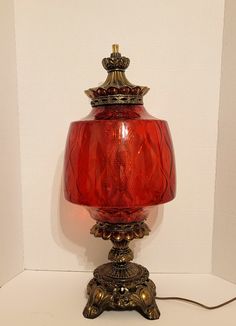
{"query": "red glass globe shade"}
(119, 161)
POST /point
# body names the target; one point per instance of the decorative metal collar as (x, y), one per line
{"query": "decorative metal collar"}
(116, 89)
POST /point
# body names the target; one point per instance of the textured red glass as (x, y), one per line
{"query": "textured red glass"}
(119, 161)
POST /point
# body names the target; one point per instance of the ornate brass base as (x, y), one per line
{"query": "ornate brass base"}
(121, 285)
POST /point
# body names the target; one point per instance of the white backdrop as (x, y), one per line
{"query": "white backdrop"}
(224, 240)
(175, 49)
(11, 242)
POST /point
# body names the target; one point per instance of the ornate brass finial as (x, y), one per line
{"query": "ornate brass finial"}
(115, 61)
(116, 89)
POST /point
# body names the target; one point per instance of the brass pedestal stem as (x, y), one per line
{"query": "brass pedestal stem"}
(121, 285)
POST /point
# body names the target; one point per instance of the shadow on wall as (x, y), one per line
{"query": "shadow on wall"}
(71, 226)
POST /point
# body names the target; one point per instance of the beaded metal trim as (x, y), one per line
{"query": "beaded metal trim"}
(117, 99)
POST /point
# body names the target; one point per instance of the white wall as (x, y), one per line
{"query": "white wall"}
(175, 48)
(224, 249)
(11, 243)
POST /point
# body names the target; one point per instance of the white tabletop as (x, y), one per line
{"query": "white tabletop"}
(46, 298)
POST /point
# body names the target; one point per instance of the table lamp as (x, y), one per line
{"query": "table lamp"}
(119, 163)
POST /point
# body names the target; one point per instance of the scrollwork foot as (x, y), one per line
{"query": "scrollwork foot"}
(97, 302)
(145, 302)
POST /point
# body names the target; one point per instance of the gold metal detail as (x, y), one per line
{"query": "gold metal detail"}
(115, 48)
(119, 232)
(117, 99)
(116, 89)
(121, 284)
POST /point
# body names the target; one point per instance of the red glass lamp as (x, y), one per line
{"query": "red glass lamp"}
(119, 162)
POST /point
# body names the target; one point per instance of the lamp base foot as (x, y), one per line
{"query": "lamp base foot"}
(121, 287)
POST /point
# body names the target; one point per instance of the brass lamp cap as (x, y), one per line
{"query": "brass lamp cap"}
(116, 89)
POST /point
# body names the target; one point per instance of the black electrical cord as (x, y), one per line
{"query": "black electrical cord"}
(197, 303)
